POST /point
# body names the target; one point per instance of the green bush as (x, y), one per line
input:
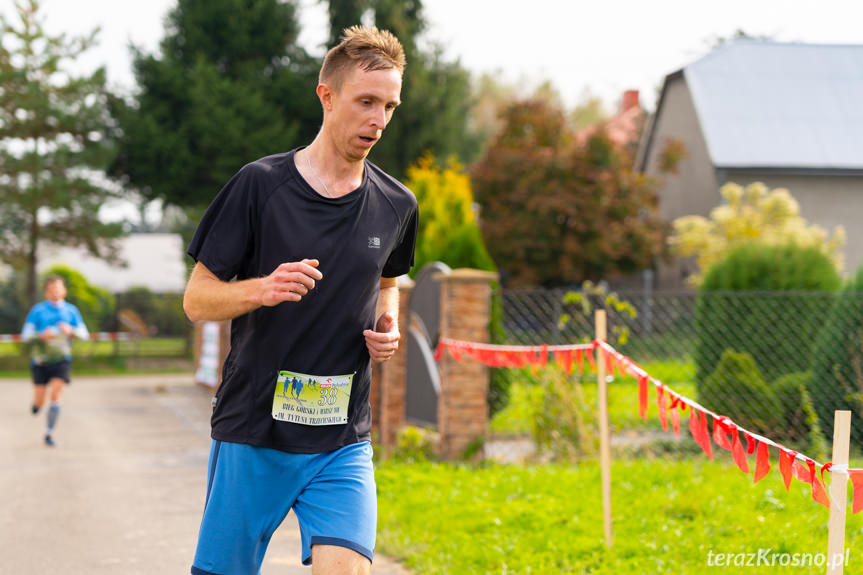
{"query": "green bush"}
(778, 317)
(95, 304)
(416, 444)
(782, 410)
(798, 424)
(164, 312)
(737, 389)
(563, 422)
(500, 379)
(837, 363)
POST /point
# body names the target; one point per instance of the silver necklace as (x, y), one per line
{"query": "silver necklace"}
(309, 162)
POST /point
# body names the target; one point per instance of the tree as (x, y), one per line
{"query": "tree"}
(750, 214)
(557, 212)
(491, 96)
(589, 111)
(344, 14)
(230, 86)
(97, 305)
(52, 145)
(448, 230)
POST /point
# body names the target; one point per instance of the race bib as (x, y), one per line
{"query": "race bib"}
(312, 399)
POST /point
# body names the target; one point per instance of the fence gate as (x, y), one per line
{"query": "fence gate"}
(423, 377)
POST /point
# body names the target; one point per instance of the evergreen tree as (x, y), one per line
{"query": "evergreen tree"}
(52, 145)
(229, 86)
(448, 230)
(344, 14)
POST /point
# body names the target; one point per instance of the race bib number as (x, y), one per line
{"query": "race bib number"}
(312, 399)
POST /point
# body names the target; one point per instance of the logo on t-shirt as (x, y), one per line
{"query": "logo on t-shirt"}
(375, 242)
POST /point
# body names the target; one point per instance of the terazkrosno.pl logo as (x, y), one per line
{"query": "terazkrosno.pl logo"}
(770, 558)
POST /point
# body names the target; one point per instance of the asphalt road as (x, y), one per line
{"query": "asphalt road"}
(123, 490)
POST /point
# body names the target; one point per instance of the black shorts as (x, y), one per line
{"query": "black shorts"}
(45, 372)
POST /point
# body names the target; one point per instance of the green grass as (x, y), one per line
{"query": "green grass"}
(516, 417)
(668, 515)
(165, 346)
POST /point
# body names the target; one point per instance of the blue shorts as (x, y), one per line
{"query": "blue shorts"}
(251, 489)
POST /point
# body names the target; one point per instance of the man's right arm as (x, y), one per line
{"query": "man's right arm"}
(28, 332)
(209, 298)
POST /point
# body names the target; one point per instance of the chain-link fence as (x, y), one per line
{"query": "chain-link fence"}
(777, 363)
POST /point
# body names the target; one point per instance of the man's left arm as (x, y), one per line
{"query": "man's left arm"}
(78, 329)
(384, 340)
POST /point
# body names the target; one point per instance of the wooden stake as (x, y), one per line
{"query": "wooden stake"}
(604, 435)
(838, 494)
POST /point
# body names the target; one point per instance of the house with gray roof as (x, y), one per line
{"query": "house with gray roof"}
(786, 114)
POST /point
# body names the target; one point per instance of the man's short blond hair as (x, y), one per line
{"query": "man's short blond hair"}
(367, 47)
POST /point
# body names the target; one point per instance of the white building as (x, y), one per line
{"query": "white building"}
(154, 261)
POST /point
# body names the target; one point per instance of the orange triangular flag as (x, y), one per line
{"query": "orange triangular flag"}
(675, 419)
(819, 494)
(801, 472)
(705, 435)
(738, 453)
(786, 460)
(663, 408)
(856, 476)
(719, 434)
(762, 462)
(642, 397)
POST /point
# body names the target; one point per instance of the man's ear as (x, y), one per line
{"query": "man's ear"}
(325, 95)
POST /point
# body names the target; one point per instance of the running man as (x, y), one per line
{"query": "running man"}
(49, 329)
(315, 239)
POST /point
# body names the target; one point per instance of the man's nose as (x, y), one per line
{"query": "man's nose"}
(379, 118)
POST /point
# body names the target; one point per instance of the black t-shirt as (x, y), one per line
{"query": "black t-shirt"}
(266, 215)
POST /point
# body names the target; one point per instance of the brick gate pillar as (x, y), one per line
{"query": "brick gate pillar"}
(462, 406)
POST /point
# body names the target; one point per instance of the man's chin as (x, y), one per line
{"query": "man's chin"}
(360, 154)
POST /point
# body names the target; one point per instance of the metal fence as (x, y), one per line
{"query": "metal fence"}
(777, 363)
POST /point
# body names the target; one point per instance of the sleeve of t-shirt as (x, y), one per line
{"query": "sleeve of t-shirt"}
(79, 326)
(224, 236)
(29, 330)
(401, 259)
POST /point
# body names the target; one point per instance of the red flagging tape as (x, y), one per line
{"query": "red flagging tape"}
(726, 433)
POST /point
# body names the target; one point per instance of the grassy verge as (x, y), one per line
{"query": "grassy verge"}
(669, 517)
(516, 417)
(162, 346)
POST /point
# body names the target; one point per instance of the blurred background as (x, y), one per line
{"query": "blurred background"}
(694, 169)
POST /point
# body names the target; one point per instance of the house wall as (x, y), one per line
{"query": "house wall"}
(154, 261)
(694, 190)
(827, 201)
